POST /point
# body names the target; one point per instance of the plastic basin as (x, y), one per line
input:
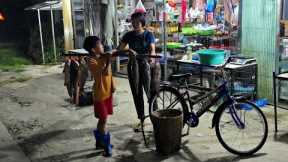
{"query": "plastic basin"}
(211, 56)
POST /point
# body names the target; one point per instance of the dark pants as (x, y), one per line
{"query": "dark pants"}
(139, 74)
(85, 99)
(69, 89)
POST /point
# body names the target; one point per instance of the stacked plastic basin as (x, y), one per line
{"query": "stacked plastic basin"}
(211, 56)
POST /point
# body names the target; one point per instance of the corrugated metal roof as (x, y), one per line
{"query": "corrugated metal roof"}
(56, 5)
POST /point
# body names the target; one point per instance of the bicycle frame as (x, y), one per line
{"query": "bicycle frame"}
(221, 92)
(229, 114)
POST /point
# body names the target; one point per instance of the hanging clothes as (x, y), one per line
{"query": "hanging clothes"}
(228, 10)
(285, 10)
(193, 13)
(235, 15)
(100, 19)
(231, 12)
(211, 5)
(200, 4)
(92, 17)
(183, 11)
(109, 22)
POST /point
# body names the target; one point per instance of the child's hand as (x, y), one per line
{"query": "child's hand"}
(107, 64)
(108, 55)
(106, 70)
(152, 61)
(131, 53)
(112, 51)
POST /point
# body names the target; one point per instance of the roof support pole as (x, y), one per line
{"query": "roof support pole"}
(164, 40)
(116, 36)
(53, 33)
(41, 37)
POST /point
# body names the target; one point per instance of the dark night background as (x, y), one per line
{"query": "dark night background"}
(20, 29)
(16, 26)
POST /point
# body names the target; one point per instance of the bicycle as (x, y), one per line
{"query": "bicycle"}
(235, 115)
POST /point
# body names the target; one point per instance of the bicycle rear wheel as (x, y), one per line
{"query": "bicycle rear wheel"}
(242, 129)
(168, 98)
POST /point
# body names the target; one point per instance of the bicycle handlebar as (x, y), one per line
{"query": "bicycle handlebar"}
(225, 63)
(224, 73)
(126, 53)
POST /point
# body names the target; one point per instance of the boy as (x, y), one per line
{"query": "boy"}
(103, 88)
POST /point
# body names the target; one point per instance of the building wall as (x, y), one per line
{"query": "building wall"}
(259, 30)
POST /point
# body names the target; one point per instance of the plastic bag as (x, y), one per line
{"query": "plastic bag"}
(158, 2)
(211, 5)
(140, 7)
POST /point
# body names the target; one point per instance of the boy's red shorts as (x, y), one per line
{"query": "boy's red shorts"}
(103, 108)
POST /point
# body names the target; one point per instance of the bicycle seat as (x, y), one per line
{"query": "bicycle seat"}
(180, 76)
(165, 83)
(241, 97)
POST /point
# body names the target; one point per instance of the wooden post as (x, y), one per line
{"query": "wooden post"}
(68, 25)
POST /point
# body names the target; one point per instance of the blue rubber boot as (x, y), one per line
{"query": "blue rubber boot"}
(107, 145)
(98, 138)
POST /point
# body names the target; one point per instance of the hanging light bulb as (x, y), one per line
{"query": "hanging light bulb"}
(2, 18)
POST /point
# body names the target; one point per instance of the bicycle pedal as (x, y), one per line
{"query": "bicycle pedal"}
(192, 120)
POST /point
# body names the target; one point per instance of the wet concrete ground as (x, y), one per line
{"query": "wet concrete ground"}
(44, 126)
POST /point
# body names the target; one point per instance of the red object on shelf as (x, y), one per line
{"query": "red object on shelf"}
(214, 46)
(140, 10)
(172, 3)
(223, 47)
(183, 11)
(210, 17)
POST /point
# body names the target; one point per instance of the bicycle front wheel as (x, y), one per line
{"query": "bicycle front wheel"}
(242, 128)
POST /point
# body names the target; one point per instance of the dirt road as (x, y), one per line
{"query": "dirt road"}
(48, 128)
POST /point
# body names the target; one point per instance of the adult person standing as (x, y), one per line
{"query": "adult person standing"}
(141, 42)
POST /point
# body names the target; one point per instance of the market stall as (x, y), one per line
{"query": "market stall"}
(183, 27)
(211, 23)
(195, 29)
